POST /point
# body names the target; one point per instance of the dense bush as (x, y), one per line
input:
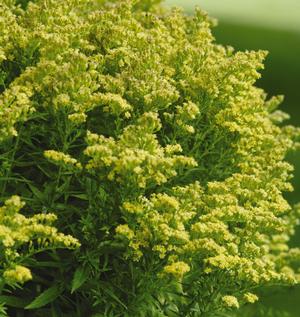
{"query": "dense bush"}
(141, 173)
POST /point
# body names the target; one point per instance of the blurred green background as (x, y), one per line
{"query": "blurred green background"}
(272, 25)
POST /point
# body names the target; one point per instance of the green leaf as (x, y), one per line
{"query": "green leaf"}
(48, 296)
(113, 296)
(36, 192)
(80, 276)
(35, 263)
(13, 301)
(80, 196)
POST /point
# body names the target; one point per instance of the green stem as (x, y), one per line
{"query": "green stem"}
(11, 160)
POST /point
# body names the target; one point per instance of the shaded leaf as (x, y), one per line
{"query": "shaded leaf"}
(80, 276)
(13, 301)
(48, 296)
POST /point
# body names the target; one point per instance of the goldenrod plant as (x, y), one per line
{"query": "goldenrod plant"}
(142, 174)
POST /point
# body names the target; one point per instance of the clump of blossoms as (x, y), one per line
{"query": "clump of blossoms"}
(149, 145)
(28, 235)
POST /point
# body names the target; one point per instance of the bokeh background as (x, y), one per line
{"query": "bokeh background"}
(272, 25)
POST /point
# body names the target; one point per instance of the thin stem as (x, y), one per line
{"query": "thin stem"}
(12, 158)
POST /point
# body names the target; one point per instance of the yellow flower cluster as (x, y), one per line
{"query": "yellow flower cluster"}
(162, 221)
(178, 269)
(17, 231)
(230, 301)
(18, 274)
(250, 297)
(115, 104)
(77, 118)
(136, 158)
(64, 160)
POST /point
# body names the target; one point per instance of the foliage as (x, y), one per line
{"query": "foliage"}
(152, 147)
